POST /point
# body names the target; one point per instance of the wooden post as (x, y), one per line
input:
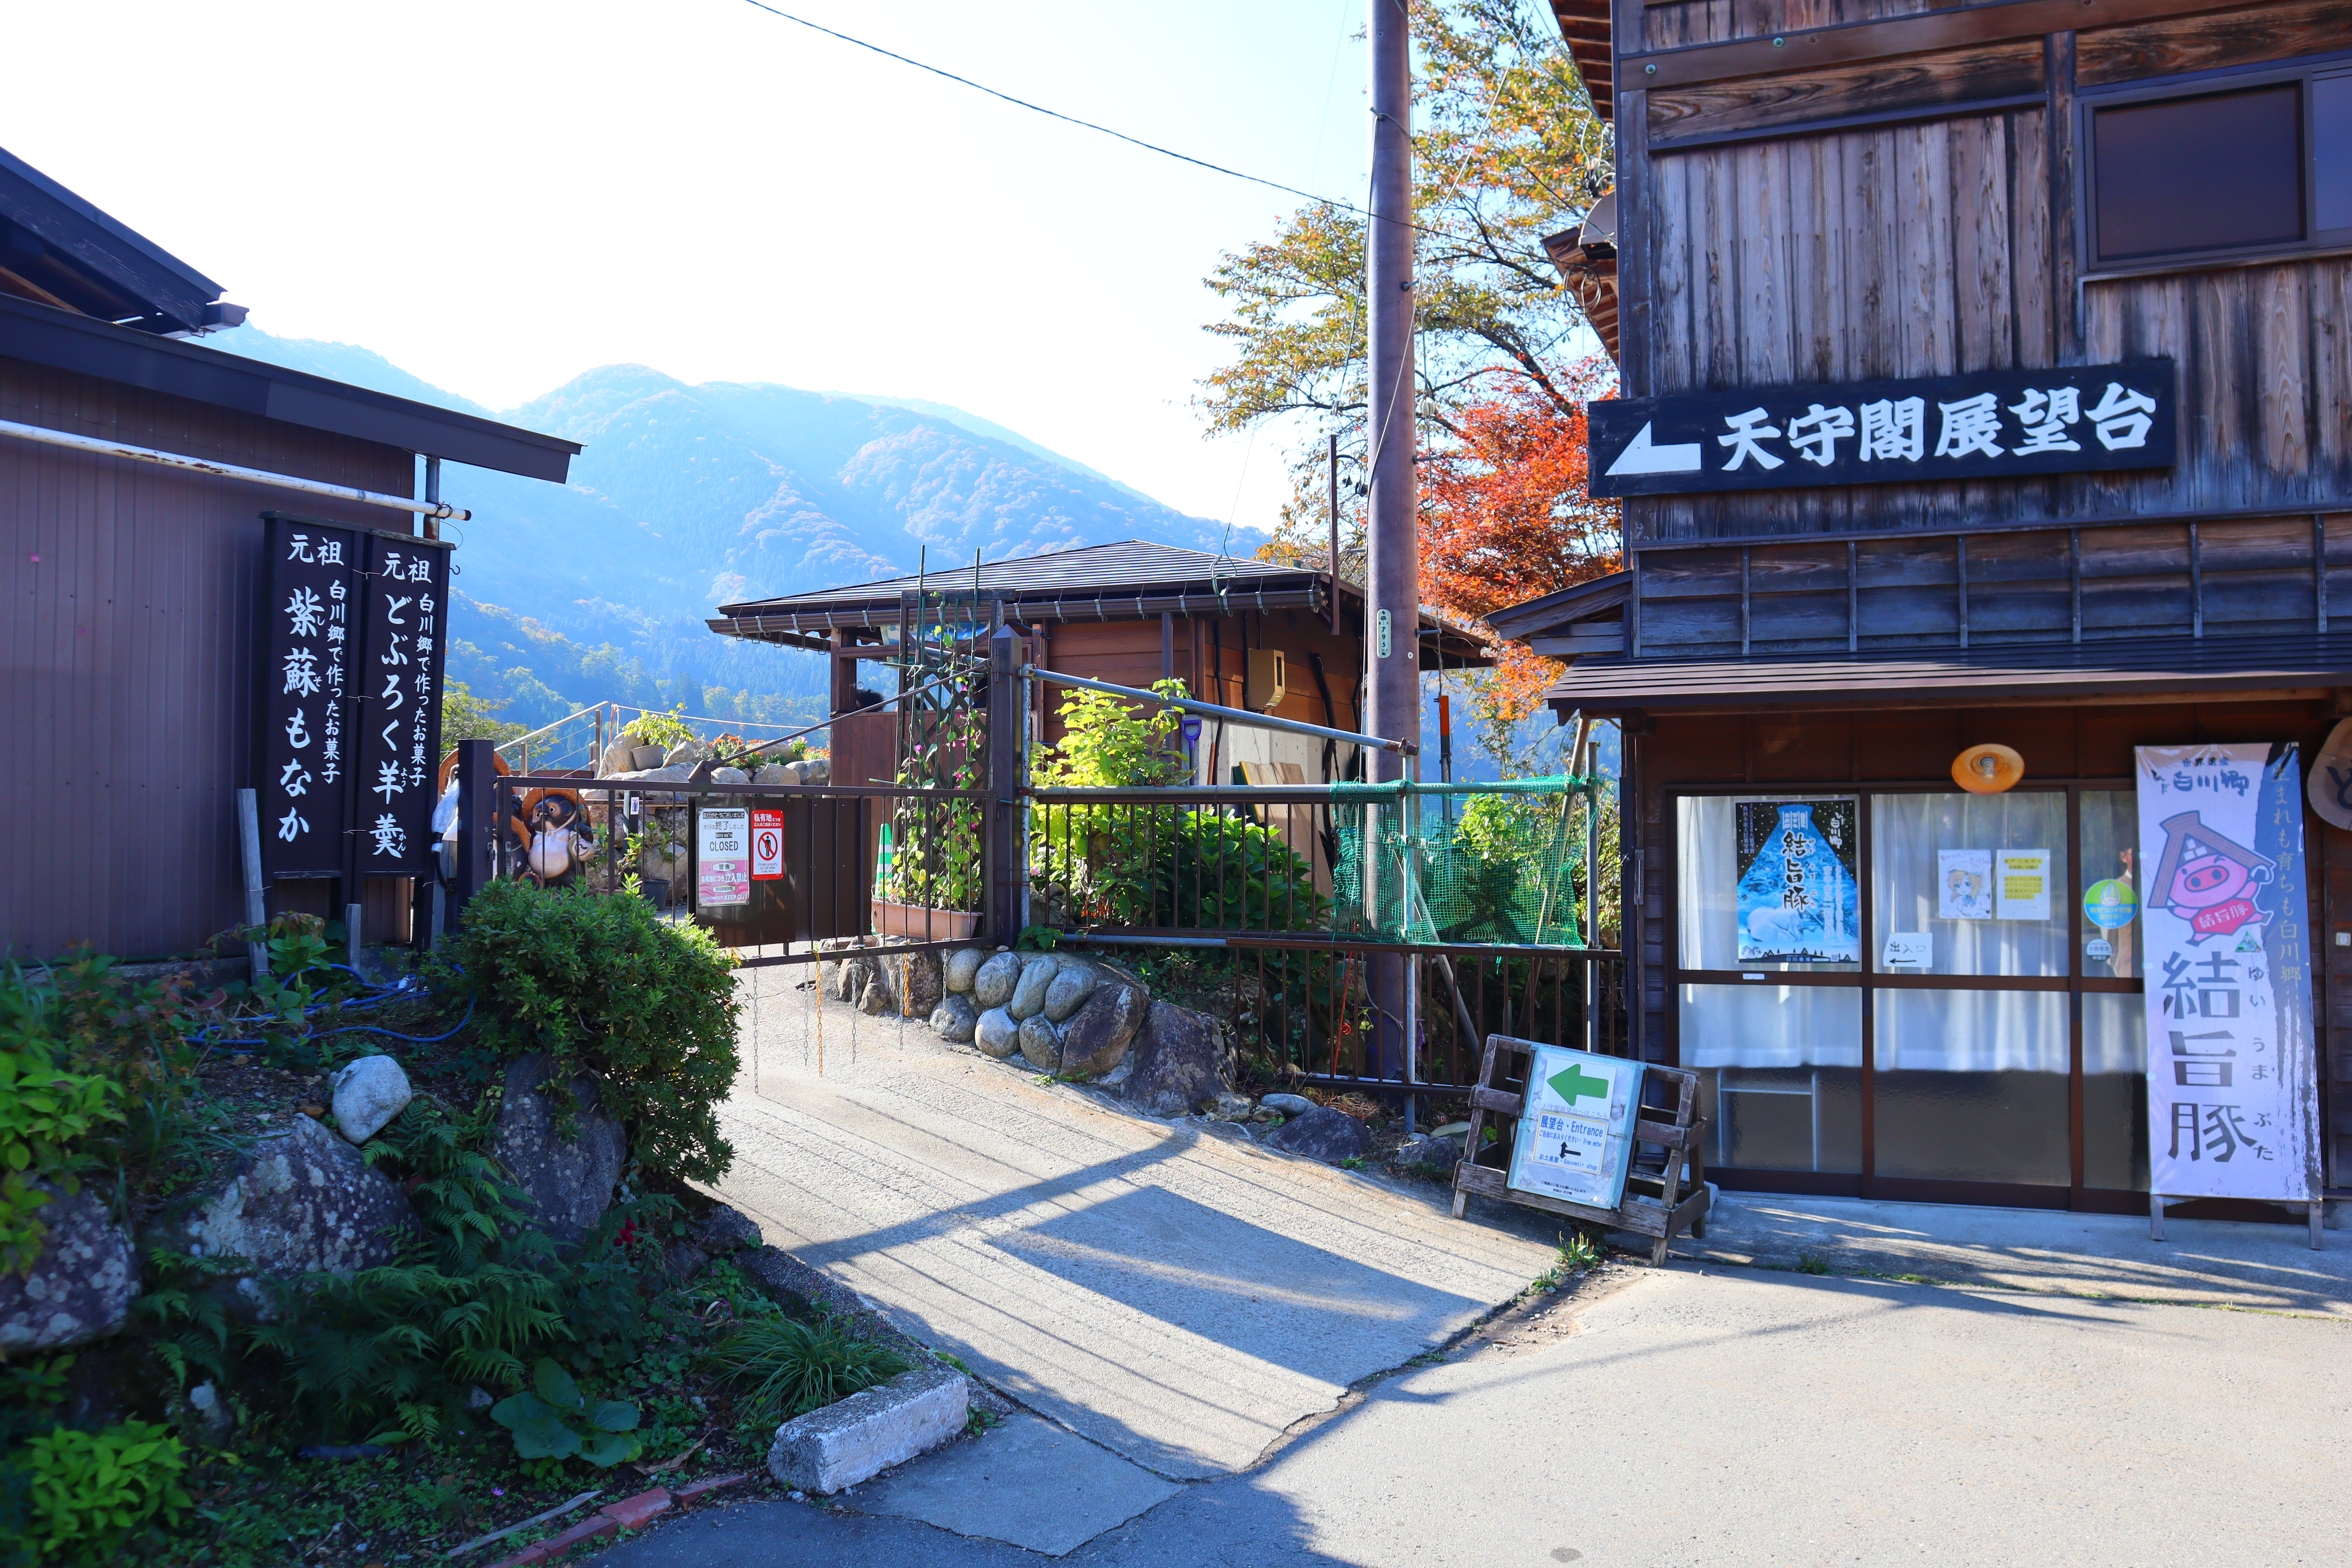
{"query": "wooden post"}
(476, 833)
(1008, 871)
(844, 686)
(256, 900)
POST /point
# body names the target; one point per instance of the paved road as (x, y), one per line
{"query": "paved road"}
(1180, 1298)
(1727, 1415)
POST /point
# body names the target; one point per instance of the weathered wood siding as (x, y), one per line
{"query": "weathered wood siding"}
(126, 674)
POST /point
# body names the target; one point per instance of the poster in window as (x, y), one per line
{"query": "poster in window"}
(303, 774)
(2021, 881)
(1799, 899)
(1964, 884)
(2232, 1081)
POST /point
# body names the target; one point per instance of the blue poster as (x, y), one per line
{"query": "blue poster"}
(1800, 901)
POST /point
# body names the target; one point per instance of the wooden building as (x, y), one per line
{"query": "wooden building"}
(1238, 633)
(1986, 377)
(135, 470)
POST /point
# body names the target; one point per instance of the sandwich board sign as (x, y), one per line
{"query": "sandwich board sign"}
(1576, 1139)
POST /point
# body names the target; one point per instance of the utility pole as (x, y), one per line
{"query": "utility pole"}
(1394, 598)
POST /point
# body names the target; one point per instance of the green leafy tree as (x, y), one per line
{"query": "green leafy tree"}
(1506, 151)
(466, 717)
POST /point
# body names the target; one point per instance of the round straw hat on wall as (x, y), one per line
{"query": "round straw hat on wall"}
(1988, 768)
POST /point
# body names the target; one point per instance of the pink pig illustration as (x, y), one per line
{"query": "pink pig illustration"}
(2207, 878)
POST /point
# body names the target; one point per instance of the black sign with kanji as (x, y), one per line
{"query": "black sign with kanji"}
(2003, 424)
(304, 758)
(397, 681)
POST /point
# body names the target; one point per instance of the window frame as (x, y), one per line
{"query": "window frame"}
(1871, 976)
(2089, 100)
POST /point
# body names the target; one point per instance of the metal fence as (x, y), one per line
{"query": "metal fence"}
(1267, 906)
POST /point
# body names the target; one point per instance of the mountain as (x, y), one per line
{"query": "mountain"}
(689, 496)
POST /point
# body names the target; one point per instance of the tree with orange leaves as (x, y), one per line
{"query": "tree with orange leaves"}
(1506, 517)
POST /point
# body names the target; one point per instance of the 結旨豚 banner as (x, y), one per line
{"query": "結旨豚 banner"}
(2233, 1093)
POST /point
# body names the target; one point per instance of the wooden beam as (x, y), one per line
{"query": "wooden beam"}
(1959, 27)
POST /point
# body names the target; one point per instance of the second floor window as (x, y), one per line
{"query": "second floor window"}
(2258, 167)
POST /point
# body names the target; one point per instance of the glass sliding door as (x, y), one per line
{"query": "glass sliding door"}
(1979, 1042)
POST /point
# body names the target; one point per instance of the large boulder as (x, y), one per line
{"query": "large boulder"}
(568, 1179)
(996, 1034)
(1029, 992)
(911, 979)
(729, 775)
(1322, 1133)
(620, 757)
(80, 1288)
(684, 754)
(367, 1094)
(1181, 1059)
(876, 1000)
(1041, 1047)
(1288, 1104)
(962, 964)
(993, 985)
(847, 981)
(771, 774)
(300, 1201)
(954, 1019)
(1097, 1037)
(1074, 981)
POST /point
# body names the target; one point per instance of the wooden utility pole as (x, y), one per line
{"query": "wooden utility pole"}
(1392, 610)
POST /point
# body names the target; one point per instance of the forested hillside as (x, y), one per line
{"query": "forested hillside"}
(687, 497)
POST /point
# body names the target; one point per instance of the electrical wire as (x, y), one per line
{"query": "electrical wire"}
(1090, 125)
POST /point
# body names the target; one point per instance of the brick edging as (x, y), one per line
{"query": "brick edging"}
(628, 1514)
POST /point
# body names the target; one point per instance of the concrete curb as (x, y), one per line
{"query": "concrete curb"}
(867, 1432)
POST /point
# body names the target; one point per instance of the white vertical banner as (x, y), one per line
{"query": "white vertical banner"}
(2232, 1083)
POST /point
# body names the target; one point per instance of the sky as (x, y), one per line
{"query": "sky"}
(498, 194)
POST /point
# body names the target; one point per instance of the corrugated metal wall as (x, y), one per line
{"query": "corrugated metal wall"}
(126, 656)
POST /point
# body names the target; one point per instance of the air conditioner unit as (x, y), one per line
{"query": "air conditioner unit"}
(1269, 678)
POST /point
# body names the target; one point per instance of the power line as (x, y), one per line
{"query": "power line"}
(1085, 124)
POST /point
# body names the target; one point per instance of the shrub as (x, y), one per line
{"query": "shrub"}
(604, 984)
(666, 731)
(47, 1119)
(792, 1367)
(91, 1491)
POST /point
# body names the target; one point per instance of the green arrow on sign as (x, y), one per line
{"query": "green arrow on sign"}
(1575, 1084)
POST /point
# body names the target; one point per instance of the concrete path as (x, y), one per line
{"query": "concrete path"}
(1182, 1298)
(1697, 1416)
(2270, 1268)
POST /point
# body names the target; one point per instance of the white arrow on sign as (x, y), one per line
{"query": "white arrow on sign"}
(1640, 458)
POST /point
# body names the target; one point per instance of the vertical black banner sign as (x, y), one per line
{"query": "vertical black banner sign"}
(304, 757)
(397, 679)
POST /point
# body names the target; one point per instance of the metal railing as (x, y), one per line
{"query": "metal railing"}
(577, 742)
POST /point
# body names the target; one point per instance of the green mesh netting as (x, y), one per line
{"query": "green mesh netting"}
(1462, 863)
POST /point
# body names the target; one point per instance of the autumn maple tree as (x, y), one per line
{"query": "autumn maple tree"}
(1508, 150)
(1505, 518)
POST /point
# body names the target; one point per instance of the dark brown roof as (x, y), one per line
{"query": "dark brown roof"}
(1131, 579)
(1585, 25)
(1584, 602)
(1118, 569)
(2007, 672)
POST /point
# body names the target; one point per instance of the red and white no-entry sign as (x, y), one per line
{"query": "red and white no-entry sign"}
(767, 844)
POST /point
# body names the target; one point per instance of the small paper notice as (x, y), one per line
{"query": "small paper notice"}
(1908, 950)
(723, 856)
(1964, 884)
(2023, 879)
